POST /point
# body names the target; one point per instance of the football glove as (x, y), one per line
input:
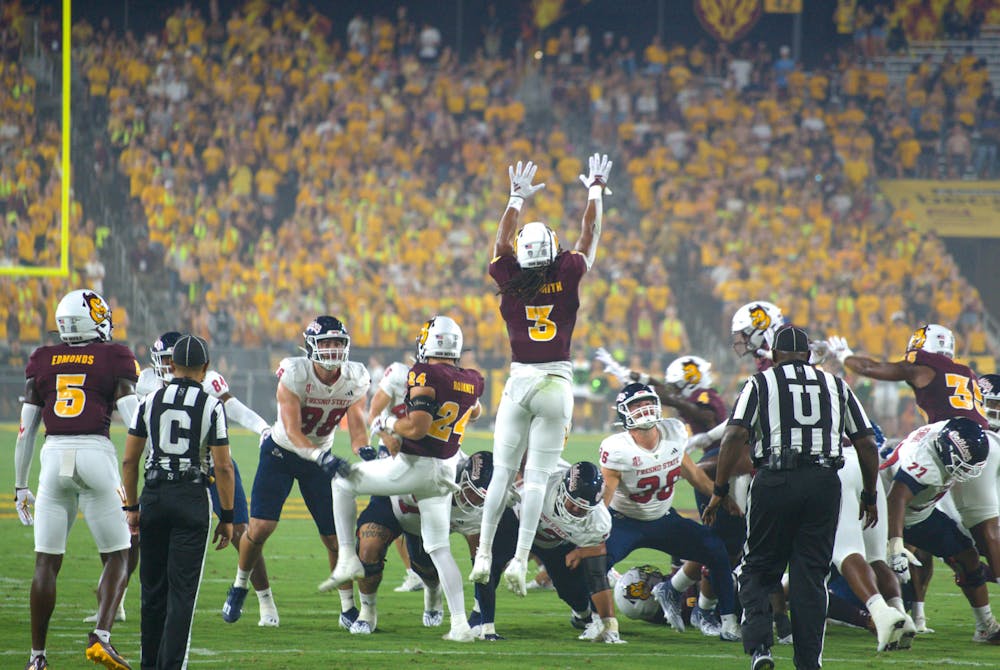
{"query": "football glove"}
(838, 347)
(818, 351)
(24, 500)
(367, 453)
(900, 558)
(600, 168)
(613, 367)
(521, 178)
(333, 465)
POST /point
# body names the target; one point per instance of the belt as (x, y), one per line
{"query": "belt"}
(190, 476)
(793, 460)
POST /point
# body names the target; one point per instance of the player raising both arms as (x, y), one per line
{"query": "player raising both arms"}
(539, 300)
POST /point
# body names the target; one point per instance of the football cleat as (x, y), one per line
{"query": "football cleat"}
(762, 659)
(593, 631)
(347, 569)
(730, 632)
(269, 619)
(515, 577)
(459, 633)
(612, 637)
(990, 633)
(921, 625)
(361, 627)
(233, 609)
(412, 582)
(348, 618)
(535, 585)
(481, 568)
(493, 637)
(37, 663)
(669, 600)
(888, 626)
(782, 628)
(708, 621)
(909, 632)
(104, 654)
(476, 623)
(434, 618)
(581, 623)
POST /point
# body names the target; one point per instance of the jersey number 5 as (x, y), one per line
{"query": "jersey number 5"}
(544, 328)
(70, 398)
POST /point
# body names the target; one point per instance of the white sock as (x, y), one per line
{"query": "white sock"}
(918, 609)
(368, 606)
(983, 615)
(876, 601)
(496, 495)
(103, 635)
(451, 582)
(242, 577)
(346, 599)
(611, 623)
(729, 619)
(36, 653)
(532, 497)
(681, 581)
(264, 594)
(489, 629)
(707, 603)
(897, 603)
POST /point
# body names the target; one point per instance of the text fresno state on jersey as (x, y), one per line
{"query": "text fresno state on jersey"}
(456, 392)
(77, 385)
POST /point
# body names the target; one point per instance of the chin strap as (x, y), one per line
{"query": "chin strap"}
(245, 416)
(127, 406)
(24, 449)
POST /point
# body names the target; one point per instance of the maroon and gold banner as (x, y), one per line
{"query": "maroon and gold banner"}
(727, 20)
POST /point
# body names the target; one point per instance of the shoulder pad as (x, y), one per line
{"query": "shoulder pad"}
(293, 371)
(674, 429)
(215, 384)
(148, 383)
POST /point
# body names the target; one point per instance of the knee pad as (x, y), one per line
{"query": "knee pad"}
(972, 579)
(372, 569)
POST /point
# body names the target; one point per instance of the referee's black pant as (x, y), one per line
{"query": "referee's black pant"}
(174, 526)
(792, 520)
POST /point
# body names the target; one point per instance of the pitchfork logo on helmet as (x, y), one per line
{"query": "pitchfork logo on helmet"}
(689, 373)
(581, 490)
(440, 337)
(473, 479)
(934, 339)
(638, 407)
(990, 386)
(754, 325)
(634, 592)
(162, 353)
(962, 448)
(83, 316)
(536, 245)
(327, 342)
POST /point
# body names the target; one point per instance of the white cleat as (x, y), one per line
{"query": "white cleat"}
(459, 633)
(269, 619)
(593, 631)
(411, 583)
(888, 626)
(909, 632)
(515, 576)
(612, 637)
(730, 631)
(361, 627)
(433, 618)
(119, 615)
(348, 568)
(921, 625)
(481, 568)
(990, 633)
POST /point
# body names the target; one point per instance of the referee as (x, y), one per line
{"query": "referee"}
(793, 416)
(186, 428)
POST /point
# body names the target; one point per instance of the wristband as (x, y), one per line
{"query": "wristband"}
(869, 498)
(595, 192)
(515, 201)
(721, 490)
(131, 508)
(390, 423)
(225, 516)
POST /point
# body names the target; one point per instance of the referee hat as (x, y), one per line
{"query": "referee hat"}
(791, 338)
(190, 351)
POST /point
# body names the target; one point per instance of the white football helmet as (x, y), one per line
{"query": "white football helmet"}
(634, 593)
(536, 245)
(689, 373)
(440, 337)
(82, 316)
(754, 326)
(934, 339)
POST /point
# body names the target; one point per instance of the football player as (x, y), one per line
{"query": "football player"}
(73, 387)
(754, 326)
(640, 466)
(923, 467)
(441, 399)
(314, 393)
(634, 593)
(539, 287)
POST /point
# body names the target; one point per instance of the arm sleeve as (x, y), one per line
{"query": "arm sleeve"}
(24, 449)
(245, 416)
(127, 406)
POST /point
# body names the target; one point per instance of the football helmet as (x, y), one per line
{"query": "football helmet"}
(962, 448)
(440, 337)
(634, 592)
(583, 488)
(689, 373)
(934, 339)
(990, 386)
(82, 316)
(327, 328)
(473, 479)
(536, 245)
(754, 325)
(631, 414)
(162, 352)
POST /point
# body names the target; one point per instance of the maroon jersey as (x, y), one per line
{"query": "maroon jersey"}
(711, 399)
(541, 330)
(456, 391)
(77, 385)
(953, 392)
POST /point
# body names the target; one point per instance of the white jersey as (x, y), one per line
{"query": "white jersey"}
(553, 530)
(323, 406)
(407, 513)
(393, 384)
(977, 499)
(915, 456)
(215, 384)
(646, 490)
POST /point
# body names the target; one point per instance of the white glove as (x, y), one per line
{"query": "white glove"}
(819, 350)
(266, 433)
(697, 442)
(24, 500)
(900, 558)
(521, 178)
(613, 367)
(600, 168)
(838, 347)
(384, 423)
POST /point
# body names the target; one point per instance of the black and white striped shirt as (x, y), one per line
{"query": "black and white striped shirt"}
(795, 407)
(182, 422)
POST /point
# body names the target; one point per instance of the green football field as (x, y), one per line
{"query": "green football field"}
(536, 627)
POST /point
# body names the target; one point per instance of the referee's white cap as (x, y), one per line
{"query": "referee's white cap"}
(190, 351)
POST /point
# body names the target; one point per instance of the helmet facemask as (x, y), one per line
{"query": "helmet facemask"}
(329, 350)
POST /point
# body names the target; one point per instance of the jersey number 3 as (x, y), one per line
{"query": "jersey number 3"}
(966, 395)
(544, 328)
